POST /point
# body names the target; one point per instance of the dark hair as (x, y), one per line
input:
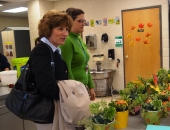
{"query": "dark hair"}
(74, 12)
(37, 40)
(52, 19)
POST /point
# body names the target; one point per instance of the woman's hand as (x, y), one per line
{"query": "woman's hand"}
(92, 94)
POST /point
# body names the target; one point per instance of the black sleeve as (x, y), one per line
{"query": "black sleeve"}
(41, 69)
(4, 62)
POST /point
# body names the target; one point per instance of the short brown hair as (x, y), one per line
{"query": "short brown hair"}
(52, 19)
(74, 12)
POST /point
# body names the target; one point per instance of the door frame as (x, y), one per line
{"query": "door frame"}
(160, 17)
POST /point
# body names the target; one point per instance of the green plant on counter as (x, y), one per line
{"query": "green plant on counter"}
(101, 113)
(120, 105)
(150, 102)
(130, 93)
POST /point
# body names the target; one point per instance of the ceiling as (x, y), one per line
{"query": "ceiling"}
(8, 4)
(14, 4)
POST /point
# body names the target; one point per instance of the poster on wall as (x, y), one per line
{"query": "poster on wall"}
(98, 22)
(111, 21)
(92, 22)
(86, 23)
(118, 41)
(117, 20)
(104, 21)
(8, 49)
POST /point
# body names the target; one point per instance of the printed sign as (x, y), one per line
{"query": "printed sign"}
(118, 41)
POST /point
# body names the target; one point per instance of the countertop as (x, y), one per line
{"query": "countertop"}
(4, 91)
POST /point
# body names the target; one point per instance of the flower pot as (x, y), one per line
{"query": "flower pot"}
(109, 126)
(121, 119)
(151, 117)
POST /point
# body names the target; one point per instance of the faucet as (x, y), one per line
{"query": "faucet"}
(98, 63)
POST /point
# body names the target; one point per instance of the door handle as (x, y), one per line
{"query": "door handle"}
(127, 56)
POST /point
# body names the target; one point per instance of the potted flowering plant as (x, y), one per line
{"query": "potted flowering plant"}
(130, 93)
(151, 110)
(122, 113)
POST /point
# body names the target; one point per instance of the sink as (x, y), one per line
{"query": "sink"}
(102, 74)
(102, 80)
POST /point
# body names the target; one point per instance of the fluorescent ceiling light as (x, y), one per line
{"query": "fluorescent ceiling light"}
(1, 5)
(16, 10)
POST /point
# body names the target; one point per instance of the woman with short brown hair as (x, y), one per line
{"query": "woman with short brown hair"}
(53, 29)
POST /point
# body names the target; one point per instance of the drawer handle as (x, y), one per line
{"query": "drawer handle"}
(2, 106)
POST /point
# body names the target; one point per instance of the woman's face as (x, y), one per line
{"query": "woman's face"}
(78, 24)
(58, 36)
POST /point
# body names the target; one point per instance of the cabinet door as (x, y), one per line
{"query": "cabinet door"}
(29, 125)
(8, 121)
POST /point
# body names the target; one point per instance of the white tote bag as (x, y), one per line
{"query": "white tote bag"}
(74, 101)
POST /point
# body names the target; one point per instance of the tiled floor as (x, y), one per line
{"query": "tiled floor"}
(134, 122)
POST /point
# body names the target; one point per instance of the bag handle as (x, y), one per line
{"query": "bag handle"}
(26, 71)
(52, 57)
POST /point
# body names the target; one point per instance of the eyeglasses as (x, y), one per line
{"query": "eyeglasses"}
(81, 20)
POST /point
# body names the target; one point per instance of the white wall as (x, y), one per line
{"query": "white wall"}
(99, 9)
(36, 10)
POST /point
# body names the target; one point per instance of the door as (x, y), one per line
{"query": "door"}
(142, 42)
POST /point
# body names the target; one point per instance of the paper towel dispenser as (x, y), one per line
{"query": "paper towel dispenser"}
(111, 54)
(91, 41)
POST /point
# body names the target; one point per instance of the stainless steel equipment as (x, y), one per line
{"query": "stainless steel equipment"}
(98, 59)
(102, 80)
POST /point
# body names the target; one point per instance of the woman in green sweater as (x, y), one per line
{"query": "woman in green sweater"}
(74, 52)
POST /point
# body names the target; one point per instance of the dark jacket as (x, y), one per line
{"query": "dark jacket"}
(41, 71)
(3, 62)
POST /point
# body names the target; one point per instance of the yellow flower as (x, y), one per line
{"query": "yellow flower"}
(156, 88)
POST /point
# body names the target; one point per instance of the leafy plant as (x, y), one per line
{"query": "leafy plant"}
(162, 75)
(101, 113)
(151, 102)
(130, 93)
(120, 105)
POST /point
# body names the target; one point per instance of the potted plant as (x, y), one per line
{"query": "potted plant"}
(130, 93)
(151, 110)
(122, 113)
(102, 116)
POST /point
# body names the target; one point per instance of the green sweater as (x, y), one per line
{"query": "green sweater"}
(74, 53)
